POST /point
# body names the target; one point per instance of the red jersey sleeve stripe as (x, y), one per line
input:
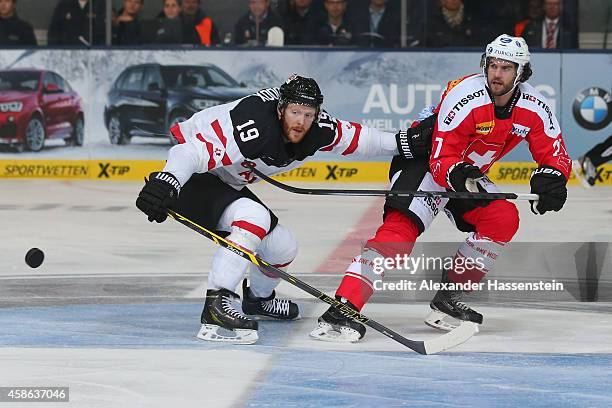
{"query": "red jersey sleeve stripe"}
(209, 147)
(355, 142)
(219, 132)
(176, 132)
(331, 146)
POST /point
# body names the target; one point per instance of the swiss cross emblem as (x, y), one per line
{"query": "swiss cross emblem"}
(482, 160)
(482, 153)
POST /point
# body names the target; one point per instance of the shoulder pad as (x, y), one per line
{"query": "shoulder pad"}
(531, 99)
(459, 101)
(255, 125)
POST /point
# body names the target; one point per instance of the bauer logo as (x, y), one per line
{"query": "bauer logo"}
(485, 128)
(592, 108)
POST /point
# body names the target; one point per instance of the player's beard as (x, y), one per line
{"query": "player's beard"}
(498, 88)
(293, 133)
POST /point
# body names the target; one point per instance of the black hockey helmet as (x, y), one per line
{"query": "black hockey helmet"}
(302, 91)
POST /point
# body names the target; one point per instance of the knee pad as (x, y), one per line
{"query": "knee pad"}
(244, 238)
(279, 247)
(248, 215)
(498, 221)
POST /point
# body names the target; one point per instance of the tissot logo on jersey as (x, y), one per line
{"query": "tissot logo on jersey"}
(520, 130)
(485, 128)
(462, 102)
(543, 105)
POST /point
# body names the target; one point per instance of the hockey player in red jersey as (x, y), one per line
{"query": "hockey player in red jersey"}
(206, 175)
(480, 118)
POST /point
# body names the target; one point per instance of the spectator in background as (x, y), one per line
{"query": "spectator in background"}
(194, 17)
(377, 24)
(167, 28)
(551, 32)
(252, 28)
(13, 30)
(71, 23)
(449, 25)
(534, 12)
(282, 6)
(300, 22)
(491, 17)
(126, 27)
(334, 29)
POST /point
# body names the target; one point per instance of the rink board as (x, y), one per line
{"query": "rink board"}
(315, 171)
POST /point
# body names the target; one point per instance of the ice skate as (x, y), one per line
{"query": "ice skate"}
(448, 309)
(221, 322)
(334, 327)
(271, 307)
(585, 171)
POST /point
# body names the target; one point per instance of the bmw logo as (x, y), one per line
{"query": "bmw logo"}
(592, 108)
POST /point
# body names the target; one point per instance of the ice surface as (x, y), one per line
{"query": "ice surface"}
(114, 309)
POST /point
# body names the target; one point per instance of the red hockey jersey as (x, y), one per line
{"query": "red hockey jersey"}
(467, 129)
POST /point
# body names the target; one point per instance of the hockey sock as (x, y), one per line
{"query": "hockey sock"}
(262, 285)
(396, 236)
(279, 248)
(474, 259)
(228, 268)
(495, 225)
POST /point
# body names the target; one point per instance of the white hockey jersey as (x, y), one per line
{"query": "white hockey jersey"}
(225, 138)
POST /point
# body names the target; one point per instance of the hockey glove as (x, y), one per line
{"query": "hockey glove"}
(158, 195)
(415, 143)
(549, 183)
(463, 177)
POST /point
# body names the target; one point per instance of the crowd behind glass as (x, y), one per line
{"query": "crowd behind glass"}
(548, 24)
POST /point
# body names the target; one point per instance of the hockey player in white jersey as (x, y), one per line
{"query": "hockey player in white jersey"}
(206, 175)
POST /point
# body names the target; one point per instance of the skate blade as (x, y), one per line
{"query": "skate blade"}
(441, 321)
(579, 173)
(212, 332)
(325, 332)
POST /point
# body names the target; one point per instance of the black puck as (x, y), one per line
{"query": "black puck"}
(34, 258)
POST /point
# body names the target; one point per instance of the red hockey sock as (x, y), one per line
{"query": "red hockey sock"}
(396, 236)
(495, 225)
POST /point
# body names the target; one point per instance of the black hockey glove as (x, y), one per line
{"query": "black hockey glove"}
(158, 195)
(415, 143)
(549, 183)
(464, 177)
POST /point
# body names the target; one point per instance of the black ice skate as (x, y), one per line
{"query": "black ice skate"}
(222, 322)
(334, 327)
(281, 309)
(448, 309)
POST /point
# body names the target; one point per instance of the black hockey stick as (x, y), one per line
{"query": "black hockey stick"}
(436, 345)
(400, 193)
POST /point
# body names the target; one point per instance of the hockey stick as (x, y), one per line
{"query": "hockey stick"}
(399, 193)
(435, 345)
